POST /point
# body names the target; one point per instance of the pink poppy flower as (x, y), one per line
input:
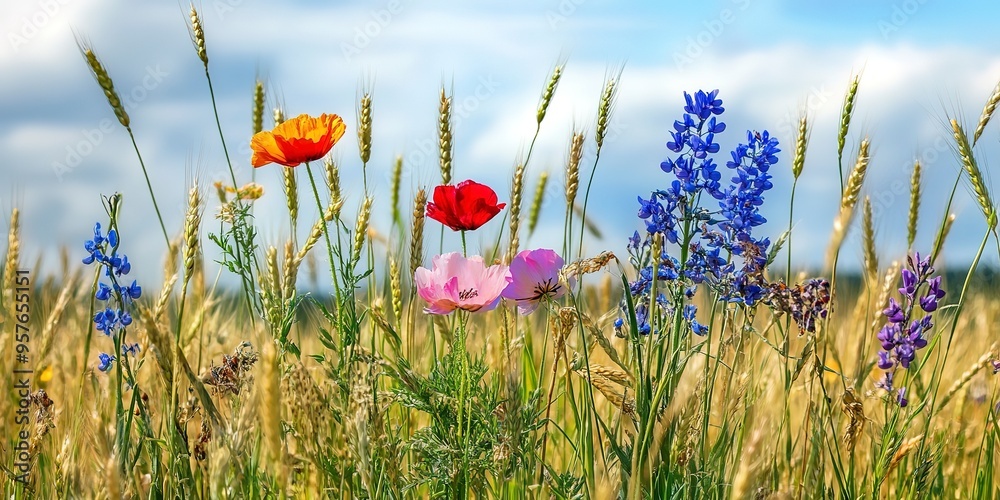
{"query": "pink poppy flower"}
(457, 282)
(535, 276)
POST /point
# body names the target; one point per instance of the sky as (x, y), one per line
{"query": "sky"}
(921, 62)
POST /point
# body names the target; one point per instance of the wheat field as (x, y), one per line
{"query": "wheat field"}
(383, 362)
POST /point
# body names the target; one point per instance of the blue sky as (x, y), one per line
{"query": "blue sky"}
(921, 61)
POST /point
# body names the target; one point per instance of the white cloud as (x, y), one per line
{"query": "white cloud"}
(299, 52)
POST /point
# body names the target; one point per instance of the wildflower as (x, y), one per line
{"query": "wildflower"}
(457, 282)
(535, 275)
(689, 314)
(298, 140)
(465, 207)
(903, 335)
(105, 361)
(131, 349)
(805, 302)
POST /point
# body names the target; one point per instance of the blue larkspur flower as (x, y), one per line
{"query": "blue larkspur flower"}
(105, 361)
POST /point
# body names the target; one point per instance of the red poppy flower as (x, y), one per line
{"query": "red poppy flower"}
(464, 207)
(298, 140)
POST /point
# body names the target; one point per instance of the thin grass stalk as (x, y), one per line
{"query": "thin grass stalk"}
(605, 109)
(847, 205)
(198, 37)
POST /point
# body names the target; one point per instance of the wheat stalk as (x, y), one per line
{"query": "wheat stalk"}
(604, 111)
(516, 189)
(332, 179)
(988, 109)
(911, 225)
(536, 203)
(550, 90)
(13, 260)
(258, 107)
(361, 229)
(107, 85)
(801, 140)
(445, 137)
(56, 315)
(396, 287)
(270, 405)
(192, 224)
(198, 37)
(573, 169)
(846, 112)
(967, 375)
(848, 201)
(943, 235)
(397, 178)
(417, 232)
(365, 127)
(331, 212)
(291, 195)
(291, 273)
(868, 239)
(975, 175)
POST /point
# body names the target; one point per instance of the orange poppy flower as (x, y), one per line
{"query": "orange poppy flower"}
(298, 140)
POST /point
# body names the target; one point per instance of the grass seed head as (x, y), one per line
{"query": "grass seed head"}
(361, 229)
(573, 168)
(604, 111)
(198, 36)
(911, 224)
(846, 112)
(976, 178)
(536, 203)
(417, 231)
(444, 136)
(107, 85)
(548, 93)
(984, 117)
(516, 190)
(801, 140)
(258, 107)
(365, 127)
